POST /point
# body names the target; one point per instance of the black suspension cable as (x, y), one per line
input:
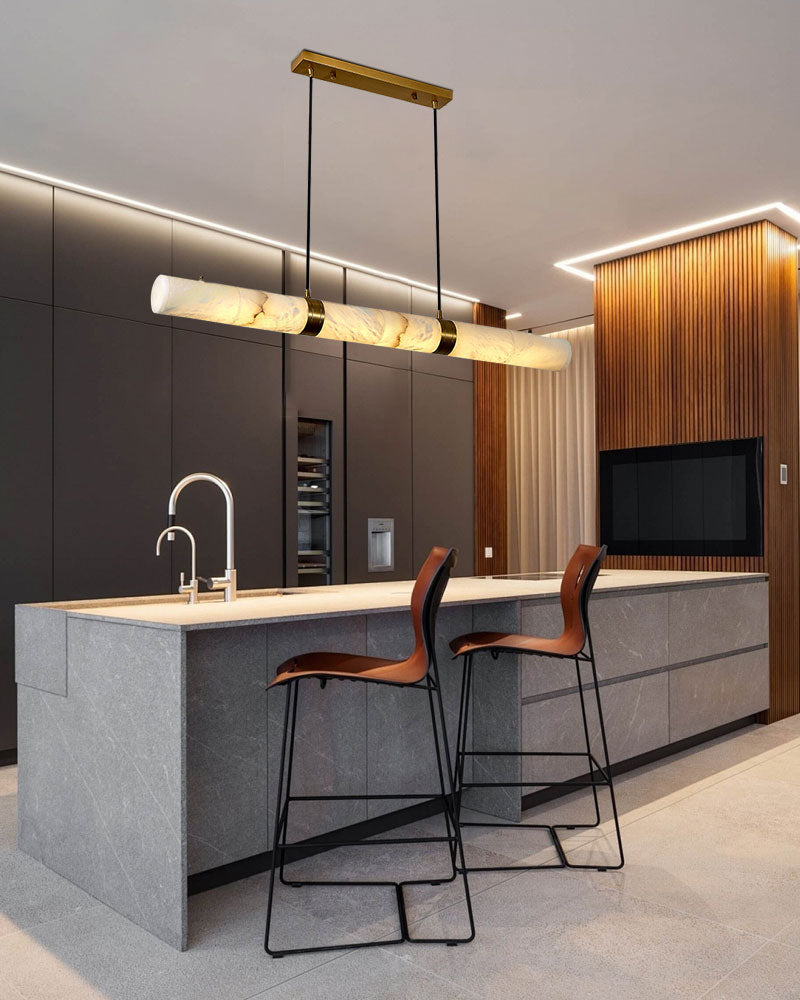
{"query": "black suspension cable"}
(308, 189)
(436, 199)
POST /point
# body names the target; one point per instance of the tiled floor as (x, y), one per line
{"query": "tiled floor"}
(708, 905)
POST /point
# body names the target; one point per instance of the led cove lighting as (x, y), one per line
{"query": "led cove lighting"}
(169, 213)
(773, 206)
(513, 315)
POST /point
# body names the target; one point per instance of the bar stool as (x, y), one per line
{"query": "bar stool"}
(420, 673)
(574, 643)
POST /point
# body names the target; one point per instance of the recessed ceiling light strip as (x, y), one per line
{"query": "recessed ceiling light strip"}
(670, 235)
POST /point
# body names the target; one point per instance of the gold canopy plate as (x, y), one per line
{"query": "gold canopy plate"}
(376, 81)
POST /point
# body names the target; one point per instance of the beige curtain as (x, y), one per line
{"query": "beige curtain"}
(552, 459)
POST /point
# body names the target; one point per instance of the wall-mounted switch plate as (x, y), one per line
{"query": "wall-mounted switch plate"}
(487, 552)
(784, 475)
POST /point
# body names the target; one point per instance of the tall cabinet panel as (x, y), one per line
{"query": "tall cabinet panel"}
(26, 246)
(227, 419)
(314, 391)
(443, 468)
(378, 465)
(106, 257)
(26, 487)
(111, 455)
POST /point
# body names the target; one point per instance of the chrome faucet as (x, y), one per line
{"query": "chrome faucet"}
(228, 581)
(189, 588)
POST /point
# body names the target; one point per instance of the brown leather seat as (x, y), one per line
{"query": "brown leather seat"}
(429, 587)
(576, 586)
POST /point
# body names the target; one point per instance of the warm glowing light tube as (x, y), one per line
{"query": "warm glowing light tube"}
(204, 300)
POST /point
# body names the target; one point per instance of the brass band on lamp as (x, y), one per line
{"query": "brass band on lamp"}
(249, 307)
(316, 317)
(447, 343)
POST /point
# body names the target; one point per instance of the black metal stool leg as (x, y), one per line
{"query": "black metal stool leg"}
(589, 757)
(606, 760)
(289, 768)
(450, 807)
(450, 829)
(278, 823)
(463, 724)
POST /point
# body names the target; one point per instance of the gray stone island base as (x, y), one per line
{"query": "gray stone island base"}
(149, 749)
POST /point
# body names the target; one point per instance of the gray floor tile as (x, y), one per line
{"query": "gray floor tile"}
(728, 854)
(790, 934)
(366, 975)
(97, 953)
(31, 894)
(603, 945)
(8, 823)
(8, 779)
(773, 973)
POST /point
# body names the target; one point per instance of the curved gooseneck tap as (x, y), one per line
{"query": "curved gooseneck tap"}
(189, 588)
(228, 581)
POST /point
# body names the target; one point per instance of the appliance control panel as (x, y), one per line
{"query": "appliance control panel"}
(380, 544)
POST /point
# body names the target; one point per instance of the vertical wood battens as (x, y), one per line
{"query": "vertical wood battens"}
(697, 341)
(491, 518)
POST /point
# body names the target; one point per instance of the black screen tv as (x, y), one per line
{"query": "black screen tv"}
(700, 499)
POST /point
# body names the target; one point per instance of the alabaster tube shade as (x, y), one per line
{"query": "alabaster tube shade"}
(202, 300)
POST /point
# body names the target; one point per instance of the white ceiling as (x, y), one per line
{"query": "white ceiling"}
(575, 124)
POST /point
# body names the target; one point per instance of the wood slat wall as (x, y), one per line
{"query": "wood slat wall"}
(491, 518)
(698, 342)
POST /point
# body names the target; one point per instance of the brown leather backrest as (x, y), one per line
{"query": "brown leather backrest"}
(576, 586)
(425, 600)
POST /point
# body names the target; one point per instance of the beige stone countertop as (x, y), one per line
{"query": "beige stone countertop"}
(279, 605)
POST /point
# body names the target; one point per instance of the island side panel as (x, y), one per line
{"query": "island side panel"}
(495, 710)
(226, 762)
(102, 772)
(331, 743)
(673, 663)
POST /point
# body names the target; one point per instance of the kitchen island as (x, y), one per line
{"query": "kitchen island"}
(148, 743)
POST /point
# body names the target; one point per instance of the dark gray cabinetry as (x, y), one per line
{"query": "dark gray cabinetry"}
(106, 256)
(443, 468)
(227, 419)
(26, 239)
(315, 390)
(228, 260)
(26, 492)
(378, 464)
(111, 455)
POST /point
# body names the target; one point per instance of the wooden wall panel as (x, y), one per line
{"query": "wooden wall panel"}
(491, 517)
(782, 503)
(698, 342)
